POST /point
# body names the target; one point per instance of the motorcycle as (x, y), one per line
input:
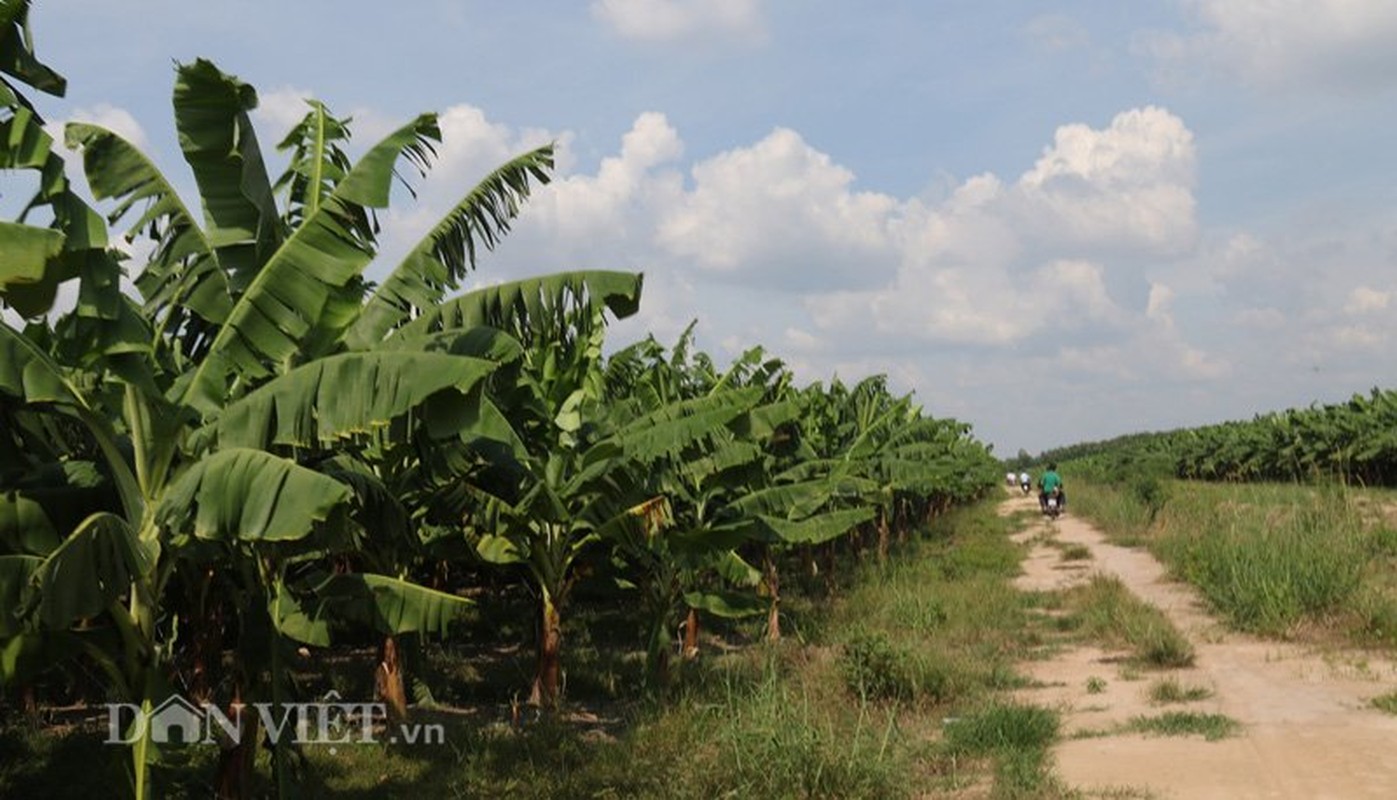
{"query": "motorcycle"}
(1052, 505)
(1026, 486)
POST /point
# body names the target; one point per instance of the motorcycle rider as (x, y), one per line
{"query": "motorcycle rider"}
(1048, 483)
(1025, 482)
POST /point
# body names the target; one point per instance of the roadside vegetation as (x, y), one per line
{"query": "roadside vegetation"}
(893, 682)
(1299, 562)
(1310, 559)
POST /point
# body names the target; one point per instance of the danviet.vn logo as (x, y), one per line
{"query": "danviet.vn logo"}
(330, 721)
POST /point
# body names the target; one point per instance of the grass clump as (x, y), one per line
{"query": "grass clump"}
(1112, 614)
(1186, 723)
(1385, 702)
(790, 741)
(1170, 690)
(874, 669)
(1121, 516)
(1076, 552)
(1000, 727)
(1017, 737)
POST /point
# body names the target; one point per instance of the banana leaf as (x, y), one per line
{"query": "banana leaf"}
(249, 495)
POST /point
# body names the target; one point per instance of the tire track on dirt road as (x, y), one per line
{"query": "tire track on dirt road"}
(1308, 729)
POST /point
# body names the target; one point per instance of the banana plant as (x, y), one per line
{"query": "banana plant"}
(580, 471)
(37, 257)
(214, 406)
(684, 553)
(728, 495)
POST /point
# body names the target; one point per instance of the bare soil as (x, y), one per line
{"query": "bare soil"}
(1308, 729)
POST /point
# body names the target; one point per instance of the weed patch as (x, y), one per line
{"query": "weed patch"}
(1385, 702)
(1002, 727)
(1016, 736)
(1184, 723)
(874, 669)
(1170, 690)
(1110, 613)
(1076, 552)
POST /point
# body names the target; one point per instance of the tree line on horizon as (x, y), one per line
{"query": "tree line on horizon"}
(1352, 442)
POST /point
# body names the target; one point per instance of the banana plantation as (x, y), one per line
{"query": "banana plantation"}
(224, 448)
(1354, 442)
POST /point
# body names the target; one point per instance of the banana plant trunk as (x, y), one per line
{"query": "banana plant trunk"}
(884, 535)
(207, 642)
(137, 629)
(237, 760)
(691, 632)
(773, 585)
(831, 554)
(547, 675)
(388, 680)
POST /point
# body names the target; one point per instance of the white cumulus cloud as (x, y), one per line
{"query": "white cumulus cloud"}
(673, 20)
(1128, 185)
(115, 119)
(608, 217)
(279, 110)
(997, 263)
(773, 241)
(1364, 300)
(1280, 43)
(780, 211)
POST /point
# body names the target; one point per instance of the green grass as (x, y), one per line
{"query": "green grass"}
(1017, 737)
(1121, 516)
(1186, 723)
(1000, 727)
(1111, 614)
(875, 669)
(1278, 560)
(1385, 702)
(1076, 552)
(1270, 568)
(787, 739)
(945, 618)
(1170, 690)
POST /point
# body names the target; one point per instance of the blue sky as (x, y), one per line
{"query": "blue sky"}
(1056, 220)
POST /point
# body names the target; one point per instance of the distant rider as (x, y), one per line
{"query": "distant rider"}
(1048, 483)
(1025, 482)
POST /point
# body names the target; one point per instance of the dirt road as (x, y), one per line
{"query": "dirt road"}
(1308, 729)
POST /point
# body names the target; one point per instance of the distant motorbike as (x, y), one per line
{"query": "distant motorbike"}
(1026, 486)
